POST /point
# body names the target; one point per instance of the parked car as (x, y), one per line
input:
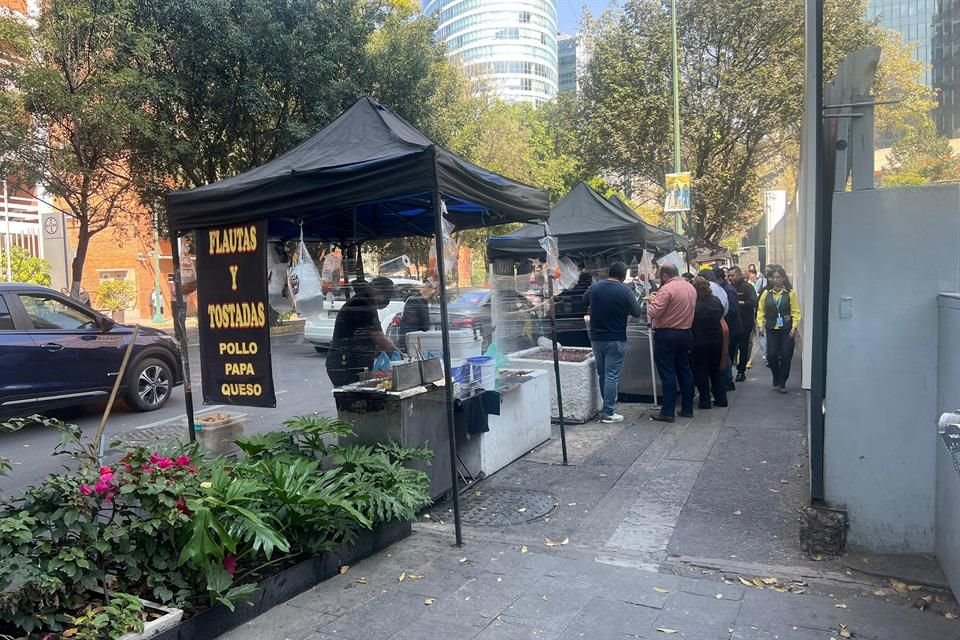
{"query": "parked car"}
(56, 352)
(318, 328)
(472, 309)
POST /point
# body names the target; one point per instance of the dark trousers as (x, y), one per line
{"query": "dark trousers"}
(779, 354)
(740, 354)
(671, 352)
(707, 374)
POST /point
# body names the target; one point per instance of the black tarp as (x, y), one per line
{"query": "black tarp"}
(368, 174)
(586, 225)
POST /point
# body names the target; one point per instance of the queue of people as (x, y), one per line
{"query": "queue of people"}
(703, 330)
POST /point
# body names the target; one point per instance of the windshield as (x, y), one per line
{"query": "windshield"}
(470, 299)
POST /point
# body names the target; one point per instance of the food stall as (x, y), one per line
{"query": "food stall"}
(594, 231)
(368, 175)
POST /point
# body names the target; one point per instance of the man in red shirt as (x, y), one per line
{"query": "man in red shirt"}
(671, 314)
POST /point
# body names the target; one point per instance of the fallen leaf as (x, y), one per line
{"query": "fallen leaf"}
(719, 596)
(778, 589)
(659, 590)
(478, 493)
(499, 579)
(522, 510)
(845, 632)
(571, 504)
(565, 541)
(769, 581)
(840, 606)
(899, 587)
(866, 560)
(361, 581)
(344, 569)
(69, 633)
(784, 482)
(758, 583)
(880, 592)
(413, 577)
(949, 616)
(772, 490)
(427, 516)
(550, 543)
(745, 582)
(402, 577)
(523, 549)
(429, 601)
(666, 630)
(462, 560)
(738, 512)
(914, 587)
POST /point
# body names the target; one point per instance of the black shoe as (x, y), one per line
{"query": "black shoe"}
(660, 418)
(721, 405)
(685, 415)
(741, 377)
(704, 407)
(731, 386)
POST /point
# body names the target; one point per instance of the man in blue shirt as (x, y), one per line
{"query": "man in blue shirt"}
(610, 302)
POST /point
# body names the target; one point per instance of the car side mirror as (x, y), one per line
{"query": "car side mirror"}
(105, 324)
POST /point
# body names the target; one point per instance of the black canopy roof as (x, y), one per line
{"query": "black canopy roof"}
(586, 225)
(663, 239)
(368, 174)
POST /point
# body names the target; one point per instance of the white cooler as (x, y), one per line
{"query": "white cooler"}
(463, 344)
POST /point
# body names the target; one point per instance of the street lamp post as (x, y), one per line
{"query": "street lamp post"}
(676, 106)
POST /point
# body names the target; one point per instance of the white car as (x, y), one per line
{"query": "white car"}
(318, 329)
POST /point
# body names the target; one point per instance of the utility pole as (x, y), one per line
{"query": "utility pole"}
(157, 294)
(677, 227)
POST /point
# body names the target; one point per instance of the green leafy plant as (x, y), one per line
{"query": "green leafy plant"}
(25, 267)
(116, 295)
(121, 614)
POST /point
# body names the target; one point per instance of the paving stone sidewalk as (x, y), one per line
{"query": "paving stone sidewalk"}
(425, 589)
(686, 530)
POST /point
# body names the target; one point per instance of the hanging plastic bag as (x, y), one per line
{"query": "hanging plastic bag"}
(188, 275)
(569, 274)
(277, 266)
(499, 359)
(330, 270)
(549, 244)
(451, 250)
(305, 282)
(382, 363)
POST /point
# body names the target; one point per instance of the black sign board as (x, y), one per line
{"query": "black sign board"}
(233, 315)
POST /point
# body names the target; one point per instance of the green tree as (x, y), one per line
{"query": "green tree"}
(67, 115)
(741, 77)
(25, 267)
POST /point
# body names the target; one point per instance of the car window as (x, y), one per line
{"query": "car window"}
(6, 320)
(47, 312)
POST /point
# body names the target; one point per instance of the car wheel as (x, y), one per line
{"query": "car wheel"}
(149, 384)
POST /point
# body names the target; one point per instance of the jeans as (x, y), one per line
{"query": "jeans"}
(671, 352)
(609, 355)
(705, 361)
(779, 354)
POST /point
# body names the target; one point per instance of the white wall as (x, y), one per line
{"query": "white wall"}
(893, 251)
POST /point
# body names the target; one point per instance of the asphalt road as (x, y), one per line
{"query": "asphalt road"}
(299, 377)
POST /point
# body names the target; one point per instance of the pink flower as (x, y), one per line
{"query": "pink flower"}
(164, 463)
(102, 487)
(127, 467)
(155, 458)
(85, 490)
(192, 469)
(106, 470)
(106, 477)
(182, 507)
(230, 564)
(183, 461)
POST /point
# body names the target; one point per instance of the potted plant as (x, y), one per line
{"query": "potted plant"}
(116, 296)
(582, 399)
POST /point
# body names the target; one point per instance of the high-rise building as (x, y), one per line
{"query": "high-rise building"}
(913, 19)
(510, 46)
(567, 62)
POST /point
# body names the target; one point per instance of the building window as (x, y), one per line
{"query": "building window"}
(526, 84)
(524, 17)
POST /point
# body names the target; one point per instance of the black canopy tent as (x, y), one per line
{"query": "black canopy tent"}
(587, 225)
(369, 174)
(657, 237)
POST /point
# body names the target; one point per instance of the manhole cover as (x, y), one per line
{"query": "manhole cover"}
(161, 433)
(502, 507)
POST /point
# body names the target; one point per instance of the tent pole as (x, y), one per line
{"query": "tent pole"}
(180, 330)
(447, 372)
(556, 365)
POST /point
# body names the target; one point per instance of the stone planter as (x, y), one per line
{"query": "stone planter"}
(219, 431)
(578, 381)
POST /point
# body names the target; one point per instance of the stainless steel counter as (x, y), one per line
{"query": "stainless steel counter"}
(636, 378)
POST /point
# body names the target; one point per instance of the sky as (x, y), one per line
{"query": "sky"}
(569, 12)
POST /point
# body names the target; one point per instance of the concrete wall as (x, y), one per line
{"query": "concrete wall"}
(894, 250)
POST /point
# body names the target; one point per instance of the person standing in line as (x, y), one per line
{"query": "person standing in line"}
(758, 280)
(610, 302)
(718, 291)
(734, 324)
(671, 316)
(416, 314)
(778, 318)
(747, 300)
(708, 347)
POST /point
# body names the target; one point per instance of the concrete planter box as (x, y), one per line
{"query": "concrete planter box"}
(171, 618)
(948, 505)
(578, 381)
(219, 431)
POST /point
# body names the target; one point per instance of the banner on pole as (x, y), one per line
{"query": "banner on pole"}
(677, 192)
(233, 316)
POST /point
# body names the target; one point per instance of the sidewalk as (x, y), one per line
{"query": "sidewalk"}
(686, 530)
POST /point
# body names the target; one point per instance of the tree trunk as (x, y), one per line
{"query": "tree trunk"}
(83, 243)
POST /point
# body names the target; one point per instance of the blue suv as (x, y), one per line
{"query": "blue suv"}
(55, 352)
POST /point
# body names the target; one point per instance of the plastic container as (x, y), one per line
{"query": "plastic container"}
(484, 371)
(463, 343)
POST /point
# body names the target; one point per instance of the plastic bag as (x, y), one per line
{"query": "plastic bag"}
(569, 274)
(330, 271)
(305, 282)
(549, 244)
(451, 250)
(499, 359)
(276, 271)
(382, 363)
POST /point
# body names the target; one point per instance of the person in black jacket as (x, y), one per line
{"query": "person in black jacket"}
(416, 314)
(741, 350)
(708, 347)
